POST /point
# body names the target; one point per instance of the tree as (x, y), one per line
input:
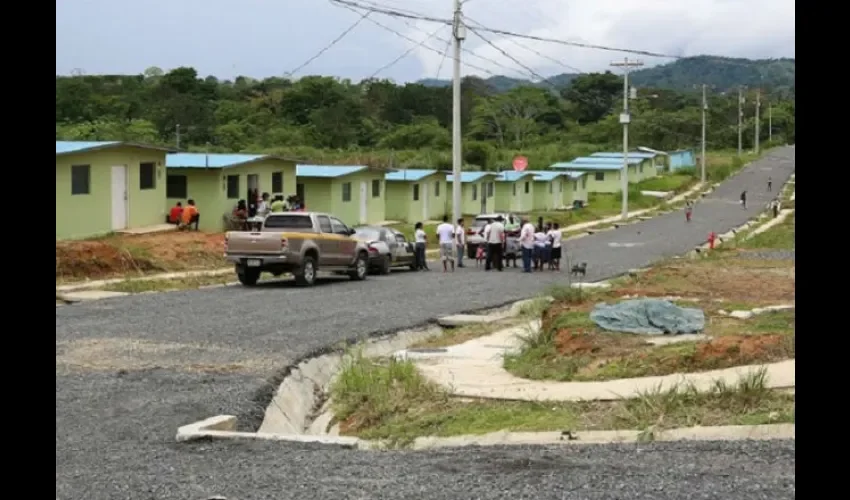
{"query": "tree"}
(593, 95)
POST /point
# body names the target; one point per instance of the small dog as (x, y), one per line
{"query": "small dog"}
(479, 256)
(579, 269)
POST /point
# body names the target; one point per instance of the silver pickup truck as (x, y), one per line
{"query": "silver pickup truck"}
(300, 243)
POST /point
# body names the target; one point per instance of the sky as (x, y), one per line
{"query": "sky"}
(262, 38)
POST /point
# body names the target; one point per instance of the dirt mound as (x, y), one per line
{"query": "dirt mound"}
(713, 281)
(732, 350)
(137, 254)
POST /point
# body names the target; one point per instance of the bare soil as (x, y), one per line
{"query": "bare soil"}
(123, 255)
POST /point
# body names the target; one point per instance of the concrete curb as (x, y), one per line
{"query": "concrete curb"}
(221, 427)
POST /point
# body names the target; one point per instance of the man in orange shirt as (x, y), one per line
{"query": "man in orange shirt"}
(176, 213)
(190, 215)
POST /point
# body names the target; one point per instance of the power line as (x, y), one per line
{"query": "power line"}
(406, 53)
(419, 17)
(328, 46)
(443, 59)
(502, 51)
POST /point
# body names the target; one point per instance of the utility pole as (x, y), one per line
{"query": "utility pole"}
(702, 156)
(758, 118)
(178, 135)
(458, 34)
(770, 122)
(740, 118)
(625, 118)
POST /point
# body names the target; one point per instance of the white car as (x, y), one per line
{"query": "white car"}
(475, 232)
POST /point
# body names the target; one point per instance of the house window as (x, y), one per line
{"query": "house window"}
(491, 188)
(599, 176)
(277, 182)
(514, 188)
(376, 188)
(176, 186)
(80, 179)
(584, 182)
(561, 186)
(346, 192)
(147, 175)
(233, 187)
(575, 185)
(416, 192)
(550, 188)
(527, 187)
(640, 168)
(437, 189)
(474, 192)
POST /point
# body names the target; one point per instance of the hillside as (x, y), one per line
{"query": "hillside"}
(719, 72)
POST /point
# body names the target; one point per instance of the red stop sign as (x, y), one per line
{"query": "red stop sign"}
(520, 163)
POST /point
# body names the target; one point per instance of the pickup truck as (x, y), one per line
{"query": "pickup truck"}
(300, 243)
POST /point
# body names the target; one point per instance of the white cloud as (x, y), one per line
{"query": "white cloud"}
(734, 28)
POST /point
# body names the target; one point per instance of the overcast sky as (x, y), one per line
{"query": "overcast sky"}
(261, 38)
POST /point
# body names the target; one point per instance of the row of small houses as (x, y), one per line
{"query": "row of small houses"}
(103, 187)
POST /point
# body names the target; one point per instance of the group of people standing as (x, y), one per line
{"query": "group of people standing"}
(263, 205)
(539, 247)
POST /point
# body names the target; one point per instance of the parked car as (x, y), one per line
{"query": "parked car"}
(388, 248)
(475, 231)
(300, 243)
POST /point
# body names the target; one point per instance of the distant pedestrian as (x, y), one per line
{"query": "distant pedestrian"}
(689, 210)
(526, 241)
(446, 236)
(495, 238)
(769, 184)
(775, 206)
(421, 240)
(744, 199)
(460, 241)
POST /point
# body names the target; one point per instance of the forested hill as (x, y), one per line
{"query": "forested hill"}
(720, 73)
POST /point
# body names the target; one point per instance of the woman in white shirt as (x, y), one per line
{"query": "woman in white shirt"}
(556, 236)
(540, 240)
(421, 240)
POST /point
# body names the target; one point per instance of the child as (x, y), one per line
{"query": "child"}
(479, 255)
(689, 210)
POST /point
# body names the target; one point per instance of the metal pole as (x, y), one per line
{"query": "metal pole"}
(740, 117)
(770, 122)
(702, 156)
(178, 136)
(457, 157)
(758, 105)
(625, 118)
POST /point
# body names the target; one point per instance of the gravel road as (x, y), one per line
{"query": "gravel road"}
(130, 371)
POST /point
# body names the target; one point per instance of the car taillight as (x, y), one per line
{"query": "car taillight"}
(283, 242)
(371, 248)
(470, 231)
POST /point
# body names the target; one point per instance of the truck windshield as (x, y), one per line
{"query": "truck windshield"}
(288, 222)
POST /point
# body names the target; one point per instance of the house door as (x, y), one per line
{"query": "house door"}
(425, 202)
(253, 183)
(364, 192)
(483, 192)
(554, 195)
(299, 192)
(119, 197)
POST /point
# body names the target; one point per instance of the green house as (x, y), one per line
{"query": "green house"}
(218, 181)
(478, 192)
(560, 189)
(108, 186)
(651, 162)
(514, 192)
(354, 193)
(415, 195)
(604, 174)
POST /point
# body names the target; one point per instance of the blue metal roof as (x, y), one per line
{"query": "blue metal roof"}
(67, 147)
(211, 160)
(546, 175)
(512, 175)
(632, 154)
(412, 174)
(327, 171)
(469, 176)
(588, 166)
(619, 161)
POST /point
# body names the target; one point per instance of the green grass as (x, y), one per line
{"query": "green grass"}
(391, 401)
(672, 183)
(780, 236)
(159, 285)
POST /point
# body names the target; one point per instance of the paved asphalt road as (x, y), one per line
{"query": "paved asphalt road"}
(130, 371)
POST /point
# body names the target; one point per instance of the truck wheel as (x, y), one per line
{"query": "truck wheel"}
(306, 276)
(385, 266)
(361, 267)
(248, 277)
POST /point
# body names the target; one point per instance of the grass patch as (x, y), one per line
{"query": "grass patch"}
(780, 236)
(390, 401)
(186, 283)
(678, 182)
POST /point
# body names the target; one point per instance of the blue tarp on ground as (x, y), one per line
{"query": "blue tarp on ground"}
(648, 317)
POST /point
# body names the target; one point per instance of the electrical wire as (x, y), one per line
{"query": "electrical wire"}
(418, 17)
(328, 46)
(407, 52)
(443, 59)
